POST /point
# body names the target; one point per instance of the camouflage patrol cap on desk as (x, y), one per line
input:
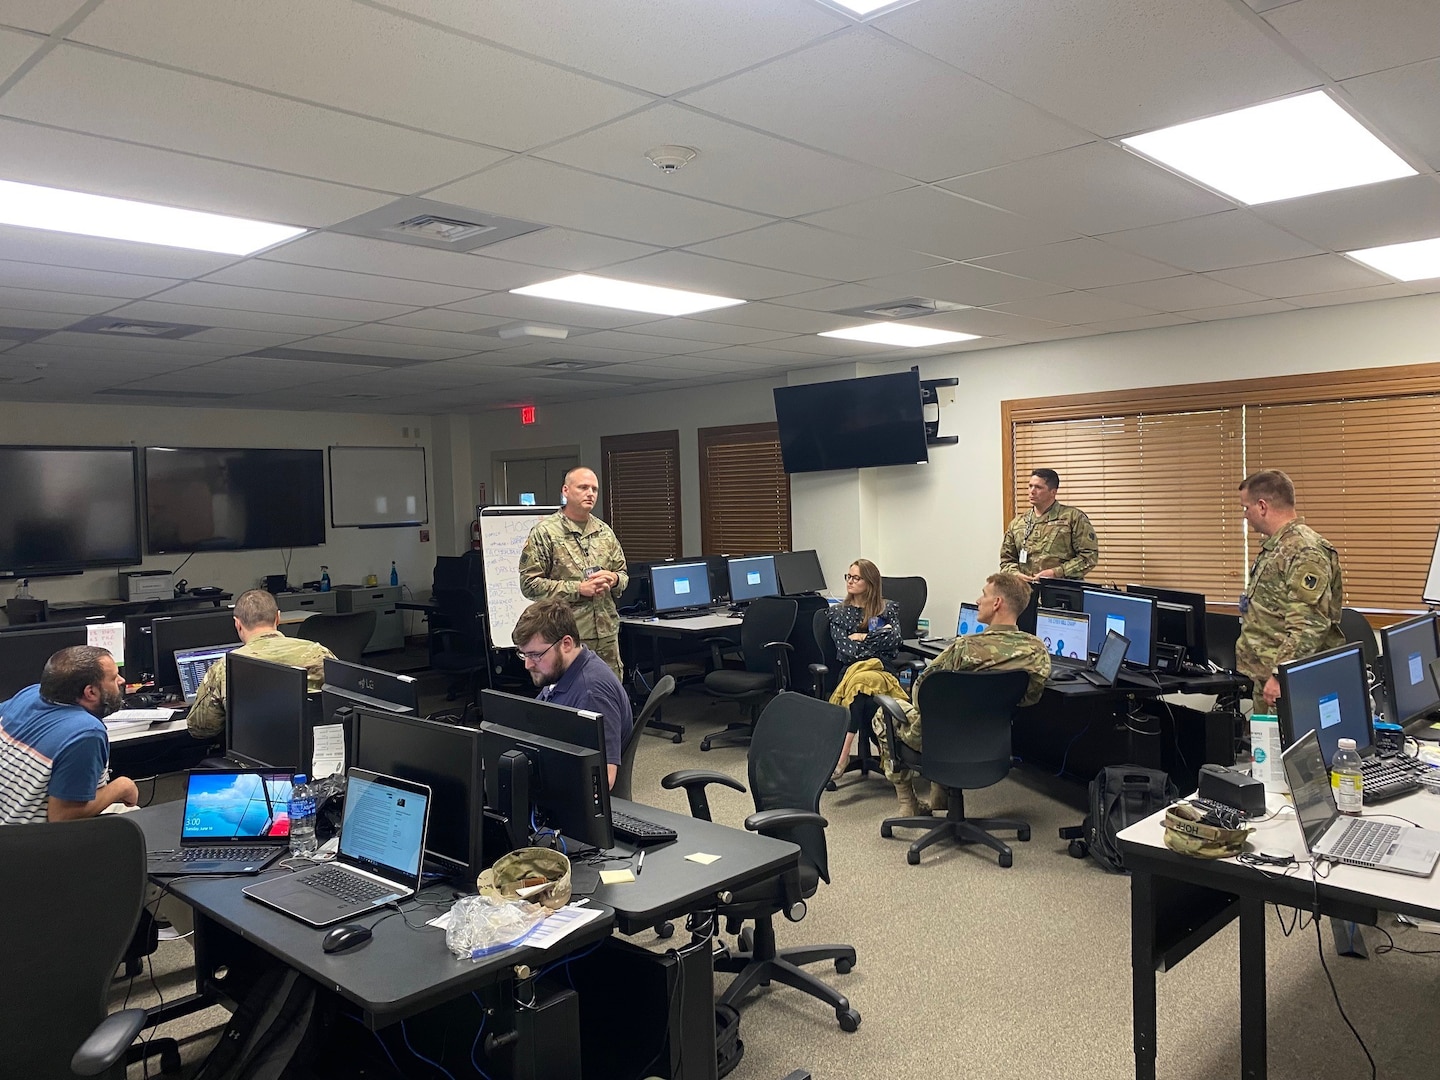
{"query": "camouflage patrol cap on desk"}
(1187, 834)
(512, 872)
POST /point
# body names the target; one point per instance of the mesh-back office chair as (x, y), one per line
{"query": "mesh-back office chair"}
(909, 594)
(967, 718)
(344, 635)
(663, 689)
(20, 610)
(795, 744)
(764, 648)
(53, 1015)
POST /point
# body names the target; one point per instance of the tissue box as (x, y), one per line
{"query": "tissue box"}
(1265, 753)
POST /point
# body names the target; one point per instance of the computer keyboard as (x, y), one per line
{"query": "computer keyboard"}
(347, 886)
(226, 854)
(1390, 777)
(638, 831)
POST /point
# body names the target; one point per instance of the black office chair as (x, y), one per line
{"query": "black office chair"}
(1222, 630)
(967, 718)
(909, 594)
(1357, 628)
(764, 649)
(24, 609)
(663, 689)
(457, 638)
(825, 673)
(53, 1020)
(795, 744)
(344, 635)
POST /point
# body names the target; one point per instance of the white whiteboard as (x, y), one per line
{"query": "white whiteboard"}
(503, 531)
(377, 486)
(1432, 581)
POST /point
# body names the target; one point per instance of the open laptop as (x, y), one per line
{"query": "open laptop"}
(382, 845)
(1106, 667)
(1066, 635)
(192, 664)
(1329, 836)
(235, 823)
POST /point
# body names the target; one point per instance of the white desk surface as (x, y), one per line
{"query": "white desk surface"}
(696, 623)
(154, 731)
(1281, 832)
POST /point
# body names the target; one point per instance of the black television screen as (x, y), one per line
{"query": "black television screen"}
(67, 508)
(233, 500)
(851, 423)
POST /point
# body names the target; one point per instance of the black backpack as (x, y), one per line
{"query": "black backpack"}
(1120, 795)
(729, 1047)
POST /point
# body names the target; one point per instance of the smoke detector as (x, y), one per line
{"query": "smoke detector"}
(670, 158)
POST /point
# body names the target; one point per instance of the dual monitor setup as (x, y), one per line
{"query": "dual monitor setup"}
(694, 586)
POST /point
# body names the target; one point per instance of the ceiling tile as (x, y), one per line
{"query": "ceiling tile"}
(652, 344)
(1297, 277)
(46, 16)
(556, 195)
(989, 323)
(208, 294)
(719, 333)
(42, 320)
(805, 249)
(1095, 188)
(1178, 293)
(771, 317)
(393, 259)
(117, 256)
(127, 364)
(1080, 264)
(934, 221)
(243, 340)
(686, 366)
(108, 95)
(304, 48)
(15, 49)
(443, 319)
(1144, 322)
(1075, 308)
(1213, 242)
(507, 307)
(29, 275)
(566, 249)
(1388, 213)
(736, 166)
(1113, 67)
(390, 332)
(720, 277)
(1403, 103)
(321, 281)
(117, 344)
(1345, 38)
(960, 283)
(1351, 296)
(891, 108)
(380, 349)
(232, 318)
(1239, 311)
(37, 300)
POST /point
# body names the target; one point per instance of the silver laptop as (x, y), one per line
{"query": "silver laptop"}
(231, 824)
(382, 846)
(1329, 836)
(192, 664)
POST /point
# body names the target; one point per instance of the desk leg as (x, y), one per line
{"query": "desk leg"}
(1142, 972)
(655, 724)
(1252, 989)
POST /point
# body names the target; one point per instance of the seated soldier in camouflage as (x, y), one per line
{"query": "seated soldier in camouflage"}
(1000, 647)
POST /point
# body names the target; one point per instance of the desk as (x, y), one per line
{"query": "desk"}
(691, 630)
(1177, 903)
(160, 748)
(63, 610)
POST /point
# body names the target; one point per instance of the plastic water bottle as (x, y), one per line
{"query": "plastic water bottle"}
(324, 579)
(394, 574)
(302, 818)
(1346, 778)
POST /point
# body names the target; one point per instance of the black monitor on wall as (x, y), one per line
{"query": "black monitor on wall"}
(1407, 650)
(267, 714)
(171, 632)
(799, 572)
(852, 423)
(23, 654)
(67, 509)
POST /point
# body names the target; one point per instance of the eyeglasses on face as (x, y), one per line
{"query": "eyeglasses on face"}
(853, 577)
(536, 657)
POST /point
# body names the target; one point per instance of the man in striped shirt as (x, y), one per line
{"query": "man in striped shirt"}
(54, 753)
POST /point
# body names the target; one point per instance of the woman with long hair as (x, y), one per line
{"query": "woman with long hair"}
(863, 626)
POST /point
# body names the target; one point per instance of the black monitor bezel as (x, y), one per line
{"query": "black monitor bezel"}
(1286, 719)
(303, 738)
(1387, 669)
(1197, 648)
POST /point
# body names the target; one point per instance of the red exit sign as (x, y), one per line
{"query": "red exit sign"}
(527, 414)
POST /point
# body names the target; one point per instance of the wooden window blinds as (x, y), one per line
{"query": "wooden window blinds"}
(744, 491)
(642, 493)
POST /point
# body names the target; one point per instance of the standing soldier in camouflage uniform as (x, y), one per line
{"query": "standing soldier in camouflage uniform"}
(1000, 647)
(1050, 539)
(575, 555)
(1291, 609)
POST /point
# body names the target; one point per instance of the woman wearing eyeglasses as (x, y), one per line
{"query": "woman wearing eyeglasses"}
(863, 626)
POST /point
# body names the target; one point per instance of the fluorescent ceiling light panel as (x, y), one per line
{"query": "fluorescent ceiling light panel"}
(1413, 261)
(33, 207)
(625, 295)
(909, 337)
(1281, 150)
(866, 7)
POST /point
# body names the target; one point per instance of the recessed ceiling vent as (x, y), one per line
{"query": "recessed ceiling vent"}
(435, 225)
(911, 307)
(141, 328)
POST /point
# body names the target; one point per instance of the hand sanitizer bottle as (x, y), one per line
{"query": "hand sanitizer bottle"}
(394, 574)
(324, 579)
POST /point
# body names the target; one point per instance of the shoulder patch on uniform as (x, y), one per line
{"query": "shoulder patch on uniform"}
(1310, 580)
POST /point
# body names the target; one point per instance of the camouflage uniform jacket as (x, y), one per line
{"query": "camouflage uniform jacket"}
(1061, 539)
(553, 563)
(1294, 602)
(207, 715)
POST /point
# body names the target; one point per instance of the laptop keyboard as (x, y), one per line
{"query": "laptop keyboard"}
(225, 854)
(349, 887)
(1387, 778)
(1365, 841)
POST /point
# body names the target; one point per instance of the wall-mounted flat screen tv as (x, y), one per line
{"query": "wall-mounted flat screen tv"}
(200, 499)
(851, 423)
(67, 508)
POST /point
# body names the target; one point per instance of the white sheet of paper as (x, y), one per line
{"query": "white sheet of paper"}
(329, 757)
(122, 717)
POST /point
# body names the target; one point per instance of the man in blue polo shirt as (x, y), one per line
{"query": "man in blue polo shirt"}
(570, 674)
(54, 753)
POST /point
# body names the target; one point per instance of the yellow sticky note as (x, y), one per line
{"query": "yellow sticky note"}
(615, 877)
(702, 858)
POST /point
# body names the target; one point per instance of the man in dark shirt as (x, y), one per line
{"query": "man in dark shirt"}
(570, 674)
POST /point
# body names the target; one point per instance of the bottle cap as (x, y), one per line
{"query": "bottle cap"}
(1345, 744)
(299, 779)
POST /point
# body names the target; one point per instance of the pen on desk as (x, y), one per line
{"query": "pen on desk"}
(640, 863)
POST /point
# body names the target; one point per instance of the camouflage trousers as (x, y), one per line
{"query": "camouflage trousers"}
(608, 649)
(907, 732)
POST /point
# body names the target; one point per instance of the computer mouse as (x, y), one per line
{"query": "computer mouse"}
(344, 938)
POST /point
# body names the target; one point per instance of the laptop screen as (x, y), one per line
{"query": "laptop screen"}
(1065, 633)
(1112, 655)
(969, 621)
(236, 806)
(383, 830)
(192, 664)
(1310, 787)
(753, 577)
(679, 585)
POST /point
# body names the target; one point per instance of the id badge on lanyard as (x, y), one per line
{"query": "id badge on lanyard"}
(1244, 602)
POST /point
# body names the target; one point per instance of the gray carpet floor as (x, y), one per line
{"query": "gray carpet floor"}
(969, 970)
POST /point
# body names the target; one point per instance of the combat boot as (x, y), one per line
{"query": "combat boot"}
(939, 800)
(909, 805)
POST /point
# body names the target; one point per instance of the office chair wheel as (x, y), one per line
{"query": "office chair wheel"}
(1023, 834)
(885, 830)
(664, 929)
(705, 743)
(1006, 859)
(913, 858)
(746, 940)
(830, 786)
(849, 1019)
(677, 739)
(1078, 849)
(843, 966)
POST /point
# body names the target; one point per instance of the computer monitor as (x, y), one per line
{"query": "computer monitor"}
(1065, 633)
(578, 726)
(752, 577)
(799, 572)
(1327, 692)
(192, 664)
(1130, 616)
(1179, 620)
(1061, 594)
(969, 621)
(139, 649)
(23, 654)
(170, 633)
(447, 758)
(356, 684)
(680, 586)
(1407, 650)
(266, 714)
